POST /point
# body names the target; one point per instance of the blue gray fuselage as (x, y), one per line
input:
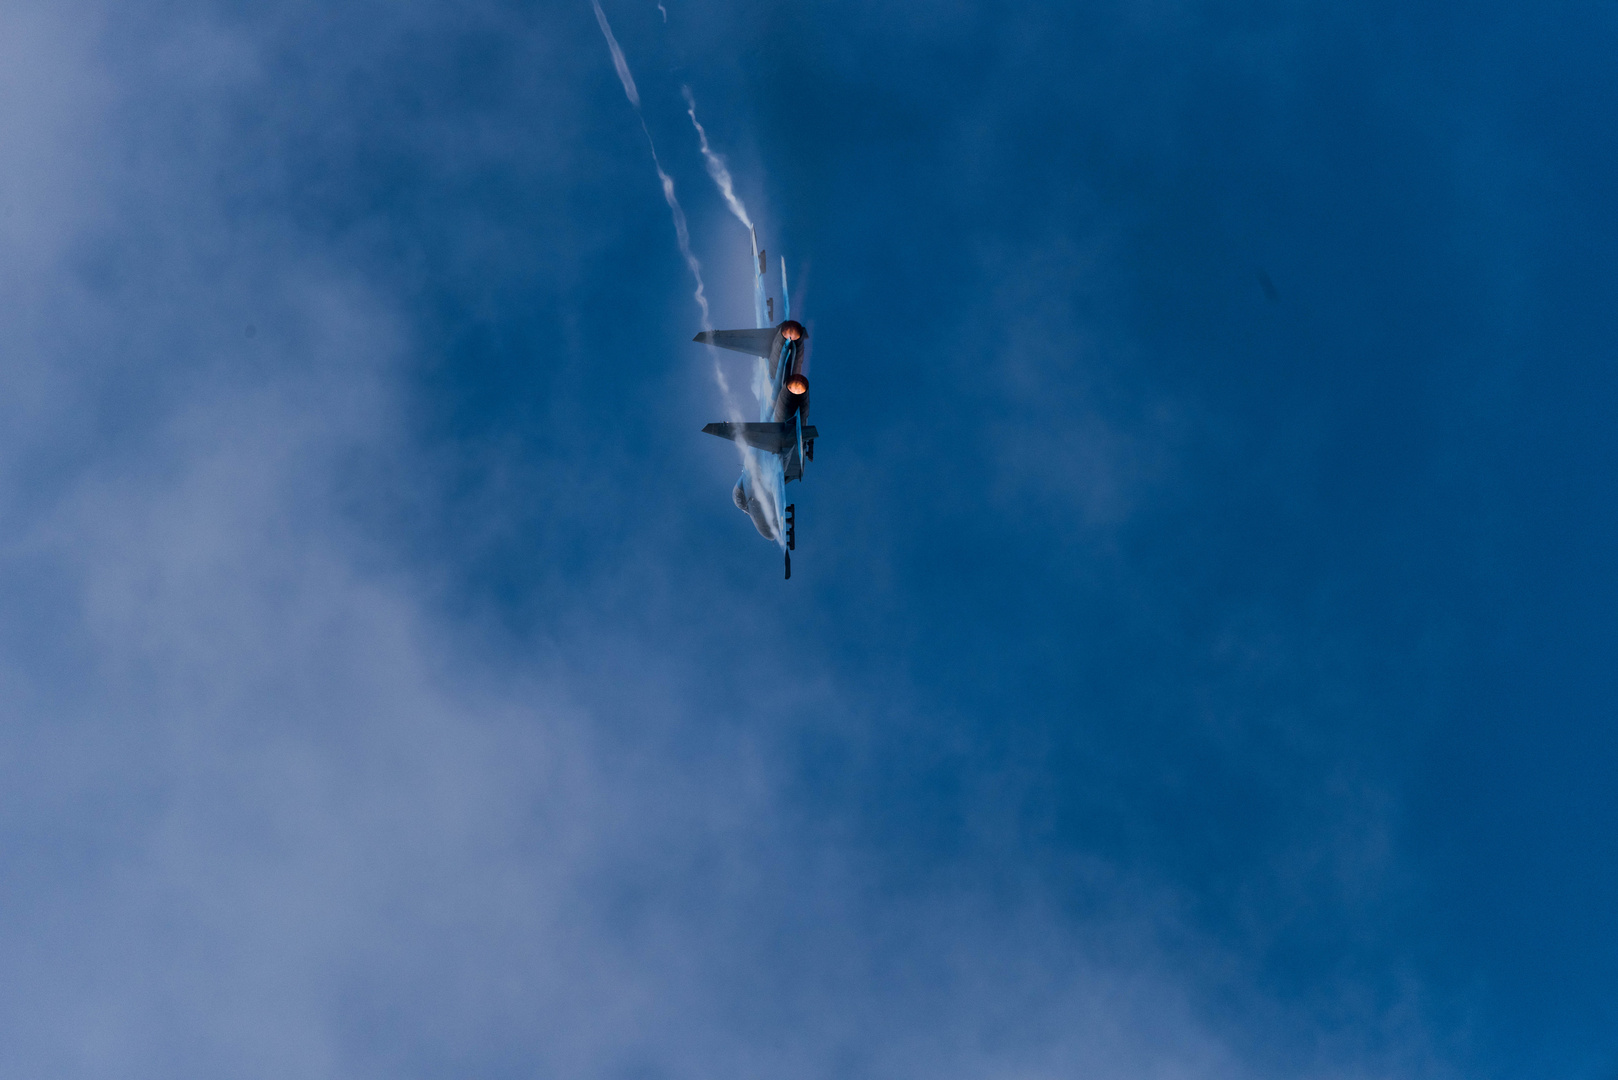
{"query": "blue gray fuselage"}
(775, 447)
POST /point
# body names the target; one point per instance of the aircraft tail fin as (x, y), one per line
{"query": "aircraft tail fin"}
(771, 437)
(758, 342)
(758, 282)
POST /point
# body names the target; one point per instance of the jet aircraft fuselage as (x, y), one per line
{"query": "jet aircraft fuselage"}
(775, 447)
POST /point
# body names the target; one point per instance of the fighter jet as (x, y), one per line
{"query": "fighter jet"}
(776, 446)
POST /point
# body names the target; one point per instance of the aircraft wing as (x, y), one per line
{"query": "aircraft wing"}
(774, 438)
(758, 342)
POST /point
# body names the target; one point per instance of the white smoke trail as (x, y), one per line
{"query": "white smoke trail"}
(682, 235)
(618, 60)
(715, 163)
(762, 479)
(727, 190)
(682, 232)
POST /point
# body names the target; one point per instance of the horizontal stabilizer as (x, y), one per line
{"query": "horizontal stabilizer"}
(773, 437)
(752, 342)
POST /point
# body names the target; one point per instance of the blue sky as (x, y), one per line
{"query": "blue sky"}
(1199, 655)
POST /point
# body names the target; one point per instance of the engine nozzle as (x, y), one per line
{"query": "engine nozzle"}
(798, 385)
(792, 330)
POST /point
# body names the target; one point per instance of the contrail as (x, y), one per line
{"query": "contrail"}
(618, 60)
(764, 481)
(715, 163)
(682, 232)
(761, 480)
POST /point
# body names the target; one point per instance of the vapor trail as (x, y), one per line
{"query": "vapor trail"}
(715, 163)
(682, 232)
(761, 479)
(618, 60)
(765, 481)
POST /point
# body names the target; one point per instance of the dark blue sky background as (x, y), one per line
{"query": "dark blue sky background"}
(1199, 659)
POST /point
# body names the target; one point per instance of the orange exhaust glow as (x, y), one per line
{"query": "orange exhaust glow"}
(792, 331)
(798, 384)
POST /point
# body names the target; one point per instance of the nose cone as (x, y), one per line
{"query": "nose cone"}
(791, 330)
